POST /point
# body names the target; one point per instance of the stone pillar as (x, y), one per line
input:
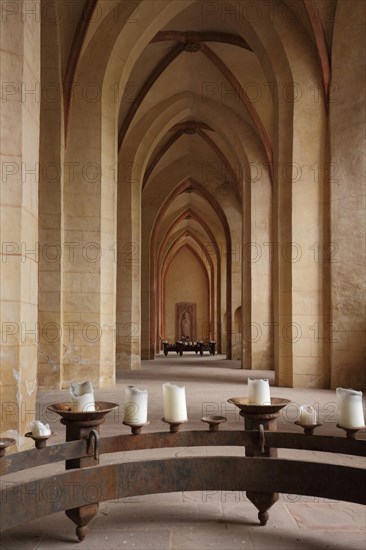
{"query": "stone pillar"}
(346, 252)
(20, 112)
(246, 278)
(89, 260)
(128, 334)
(259, 255)
(236, 285)
(300, 190)
(51, 175)
(257, 305)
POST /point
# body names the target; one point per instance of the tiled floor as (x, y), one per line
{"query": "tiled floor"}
(201, 520)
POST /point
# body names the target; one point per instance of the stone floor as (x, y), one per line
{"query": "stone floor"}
(198, 520)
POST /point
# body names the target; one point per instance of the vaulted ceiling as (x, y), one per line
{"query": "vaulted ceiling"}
(198, 56)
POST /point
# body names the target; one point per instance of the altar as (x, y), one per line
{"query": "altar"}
(180, 346)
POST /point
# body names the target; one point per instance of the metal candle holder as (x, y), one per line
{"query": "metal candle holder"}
(136, 428)
(4, 443)
(308, 428)
(83, 425)
(40, 440)
(350, 432)
(260, 417)
(260, 473)
(213, 421)
(174, 426)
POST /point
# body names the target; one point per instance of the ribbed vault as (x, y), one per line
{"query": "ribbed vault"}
(195, 112)
(164, 113)
(206, 153)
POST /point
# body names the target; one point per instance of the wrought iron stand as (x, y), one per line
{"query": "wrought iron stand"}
(83, 426)
(260, 472)
(260, 418)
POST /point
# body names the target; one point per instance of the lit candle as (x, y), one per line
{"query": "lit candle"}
(82, 397)
(350, 408)
(39, 429)
(258, 391)
(135, 406)
(175, 408)
(307, 415)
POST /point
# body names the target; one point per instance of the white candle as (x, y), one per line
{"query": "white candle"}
(258, 391)
(135, 408)
(82, 396)
(175, 408)
(350, 408)
(39, 429)
(307, 415)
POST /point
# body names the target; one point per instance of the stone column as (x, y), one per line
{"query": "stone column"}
(246, 278)
(128, 334)
(20, 112)
(259, 255)
(89, 259)
(51, 174)
(300, 288)
(346, 252)
(236, 281)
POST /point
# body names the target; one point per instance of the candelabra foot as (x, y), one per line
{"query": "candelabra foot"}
(81, 533)
(263, 517)
(263, 502)
(81, 517)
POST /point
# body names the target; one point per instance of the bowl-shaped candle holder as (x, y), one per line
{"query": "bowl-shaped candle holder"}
(255, 414)
(308, 428)
(175, 426)
(65, 410)
(136, 428)
(213, 421)
(277, 403)
(40, 440)
(4, 443)
(351, 432)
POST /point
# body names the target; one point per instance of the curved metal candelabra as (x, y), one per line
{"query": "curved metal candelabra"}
(260, 472)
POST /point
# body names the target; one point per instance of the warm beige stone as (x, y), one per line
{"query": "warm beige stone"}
(236, 186)
(20, 69)
(347, 182)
